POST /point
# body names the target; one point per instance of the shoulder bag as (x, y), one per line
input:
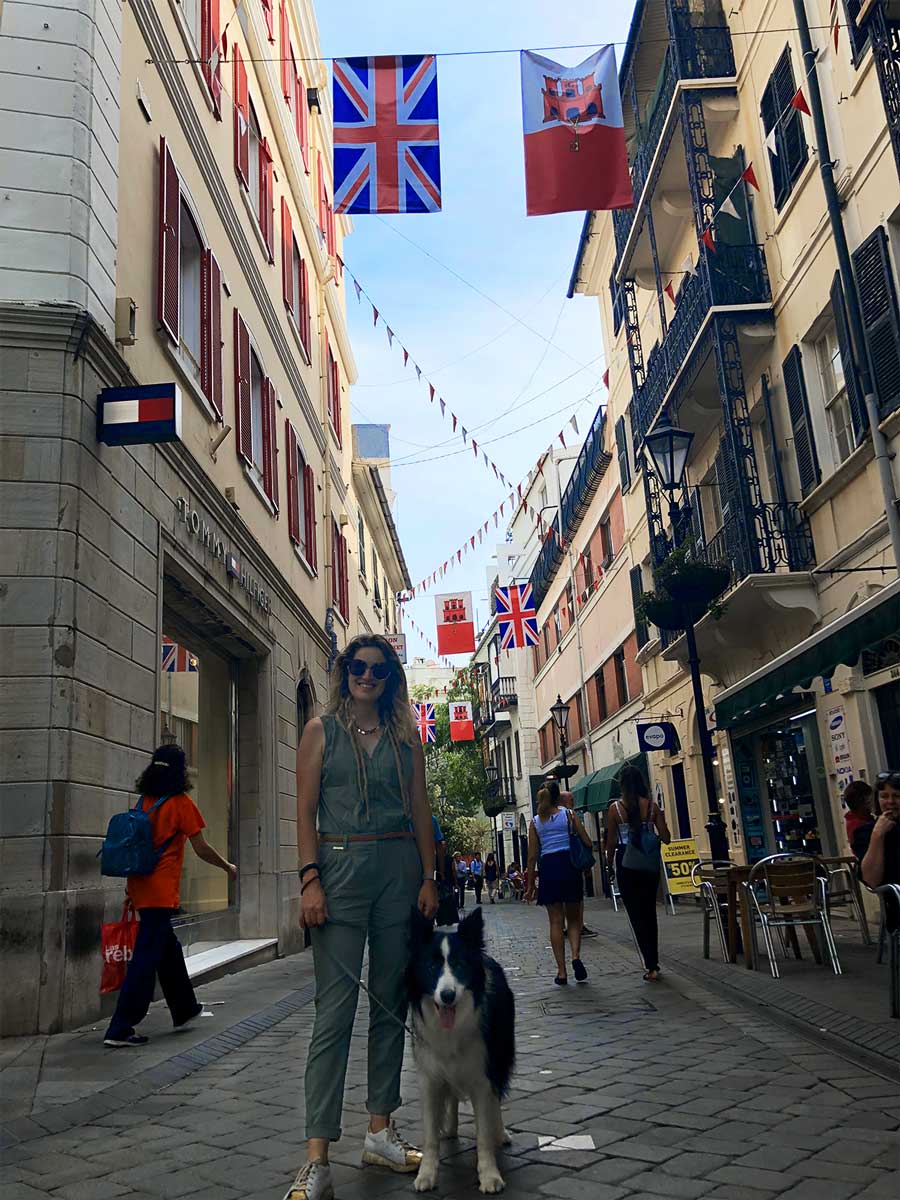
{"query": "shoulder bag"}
(581, 855)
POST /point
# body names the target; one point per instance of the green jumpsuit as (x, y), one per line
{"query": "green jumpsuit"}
(370, 888)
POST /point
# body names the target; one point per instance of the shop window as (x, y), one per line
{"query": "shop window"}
(189, 285)
(295, 280)
(196, 710)
(779, 116)
(301, 488)
(255, 405)
(834, 393)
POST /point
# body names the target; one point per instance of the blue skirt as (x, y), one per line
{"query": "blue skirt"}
(559, 882)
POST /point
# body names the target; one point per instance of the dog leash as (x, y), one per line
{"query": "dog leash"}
(345, 970)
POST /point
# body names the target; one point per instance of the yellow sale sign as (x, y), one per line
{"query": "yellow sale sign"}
(678, 860)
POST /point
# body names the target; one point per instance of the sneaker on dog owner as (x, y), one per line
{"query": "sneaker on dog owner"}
(388, 1149)
(313, 1182)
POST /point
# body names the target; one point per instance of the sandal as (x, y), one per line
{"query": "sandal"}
(652, 976)
(561, 982)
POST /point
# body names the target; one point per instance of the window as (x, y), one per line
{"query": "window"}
(361, 538)
(292, 85)
(189, 285)
(386, 594)
(260, 180)
(202, 20)
(294, 279)
(621, 675)
(518, 746)
(255, 403)
(377, 598)
(834, 392)
(711, 501)
(301, 503)
(600, 696)
(241, 118)
(786, 122)
(637, 591)
(326, 211)
(333, 390)
(254, 144)
(606, 542)
(807, 460)
(340, 585)
(859, 37)
(768, 452)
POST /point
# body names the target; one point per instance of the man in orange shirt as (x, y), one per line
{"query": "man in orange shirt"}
(157, 951)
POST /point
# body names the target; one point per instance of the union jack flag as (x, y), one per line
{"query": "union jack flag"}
(386, 150)
(426, 722)
(516, 616)
(175, 658)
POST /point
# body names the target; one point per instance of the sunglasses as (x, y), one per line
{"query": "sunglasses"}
(891, 778)
(359, 666)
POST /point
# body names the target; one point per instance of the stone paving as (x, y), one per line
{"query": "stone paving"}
(683, 1092)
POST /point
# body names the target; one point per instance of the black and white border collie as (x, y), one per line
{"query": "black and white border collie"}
(463, 1014)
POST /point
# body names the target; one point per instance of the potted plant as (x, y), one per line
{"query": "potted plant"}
(686, 589)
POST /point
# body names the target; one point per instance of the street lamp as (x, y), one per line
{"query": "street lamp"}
(668, 450)
(493, 776)
(560, 714)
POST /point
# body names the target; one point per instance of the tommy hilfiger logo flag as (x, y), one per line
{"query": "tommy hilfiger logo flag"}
(132, 416)
(426, 723)
(386, 149)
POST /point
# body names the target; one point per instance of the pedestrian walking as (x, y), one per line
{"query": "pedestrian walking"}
(174, 819)
(561, 887)
(636, 826)
(360, 786)
(461, 871)
(477, 869)
(491, 874)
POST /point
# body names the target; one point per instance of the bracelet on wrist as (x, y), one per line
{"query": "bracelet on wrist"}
(304, 886)
(310, 866)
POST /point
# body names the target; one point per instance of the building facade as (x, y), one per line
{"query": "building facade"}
(381, 568)
(723, 310)
(176, 227)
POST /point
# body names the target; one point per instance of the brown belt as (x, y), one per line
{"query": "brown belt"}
(364, 837)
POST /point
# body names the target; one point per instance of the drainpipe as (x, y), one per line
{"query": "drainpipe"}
(848, 280)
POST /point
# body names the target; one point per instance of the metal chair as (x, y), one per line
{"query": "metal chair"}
(843, 892)
(710, 877)
(889, 894)
(787, 892)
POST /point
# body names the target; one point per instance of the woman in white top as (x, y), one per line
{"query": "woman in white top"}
(561, 889)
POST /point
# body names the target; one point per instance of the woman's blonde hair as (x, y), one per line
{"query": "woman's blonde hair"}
(546, 802)
(394, 711)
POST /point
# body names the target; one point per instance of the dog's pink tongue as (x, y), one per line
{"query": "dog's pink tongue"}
(446, 1016)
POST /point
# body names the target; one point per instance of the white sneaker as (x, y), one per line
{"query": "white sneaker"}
(313, 1182)
(388, 1149)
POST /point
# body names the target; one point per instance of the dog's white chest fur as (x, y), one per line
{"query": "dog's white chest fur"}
(454, 1058)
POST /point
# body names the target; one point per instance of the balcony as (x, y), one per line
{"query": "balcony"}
(590, 467)
(503, 692)
(880, 20)
(729, 277)
(548, 563)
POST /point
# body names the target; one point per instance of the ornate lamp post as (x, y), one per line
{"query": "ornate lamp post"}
(560, 714)
(668, 450)
(493, 777)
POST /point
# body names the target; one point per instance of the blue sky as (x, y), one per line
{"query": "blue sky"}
(503, 380)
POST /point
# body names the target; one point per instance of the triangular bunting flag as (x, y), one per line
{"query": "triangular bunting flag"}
(496, 518)
(496, 472)
(453, 415)
(390, 335)
(706, 237)
(472, 541)
(405, 356)
(374, 315)
(475, 447)
(480, 535)
(798, 101)
(749, 176)
(562, 439)
(358, 290)
(443, 407)
(688, 266)
(485, 457)
(605, 380)
(728, 209)
(669, 289)
(431, 392)
(418, 370)
(574, 423)
(771, 144)
(465, 434)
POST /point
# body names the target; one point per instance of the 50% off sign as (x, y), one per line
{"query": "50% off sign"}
(679, 859)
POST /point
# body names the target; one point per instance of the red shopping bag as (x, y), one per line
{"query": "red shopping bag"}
(117, 940)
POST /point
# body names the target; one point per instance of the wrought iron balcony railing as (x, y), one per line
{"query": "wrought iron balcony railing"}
(730, 276)
(548, 562)
(504, 692)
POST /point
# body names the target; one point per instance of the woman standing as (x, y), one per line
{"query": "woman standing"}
(461, 873)
(561, 889)
(360, 791)
(175, 819)
(636, 820)
(477, 869)
(490, 876)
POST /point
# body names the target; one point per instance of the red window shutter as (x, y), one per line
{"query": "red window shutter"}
(302, 117)
(241, 120)
(335, 584)
(285, 52)
(305, 317)
(336, 398)
(309, 516)
(266, 198)
(269, 442)
(323, 199)
(287, 258)
(329, 228)
(269, 13)
(211, 330)
(168, 287)
(343, 578)
(242, 410)
(210, 52)
(293, 483)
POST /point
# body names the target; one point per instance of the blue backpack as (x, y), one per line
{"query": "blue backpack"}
(128, 846)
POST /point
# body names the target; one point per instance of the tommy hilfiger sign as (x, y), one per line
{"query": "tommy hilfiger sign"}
(211, 540)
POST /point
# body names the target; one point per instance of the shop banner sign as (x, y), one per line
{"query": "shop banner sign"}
(138, 416)
(397, 642)
(659, 735)
(839, 739)
(455, 623)
(679, 859)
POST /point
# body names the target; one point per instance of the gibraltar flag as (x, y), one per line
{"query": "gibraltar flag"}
(462, 727)
(455, 624)
(575, 157)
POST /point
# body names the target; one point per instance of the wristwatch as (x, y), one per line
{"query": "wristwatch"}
(430, 877)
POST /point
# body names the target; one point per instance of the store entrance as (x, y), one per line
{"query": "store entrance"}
(888, 700)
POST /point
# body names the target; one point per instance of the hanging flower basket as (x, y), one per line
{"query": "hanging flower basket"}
(698, 583)
(665, 612)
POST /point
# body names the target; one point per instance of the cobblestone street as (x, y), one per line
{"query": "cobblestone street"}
(682, 1093)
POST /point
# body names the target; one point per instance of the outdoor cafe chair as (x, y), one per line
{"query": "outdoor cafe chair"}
(889, 894)
(786, 892)
(843, 892)
(710, 877)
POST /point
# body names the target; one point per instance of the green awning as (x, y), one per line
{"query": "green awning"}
(594, 792)
(840, 642)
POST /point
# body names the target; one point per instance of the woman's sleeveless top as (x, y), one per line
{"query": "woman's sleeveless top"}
(342, 806)
(553, 833)
(624, 830)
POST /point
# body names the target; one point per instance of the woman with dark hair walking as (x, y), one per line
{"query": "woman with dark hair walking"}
(561, 887)
(174, 819)
(636, 826)
(366, 845)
